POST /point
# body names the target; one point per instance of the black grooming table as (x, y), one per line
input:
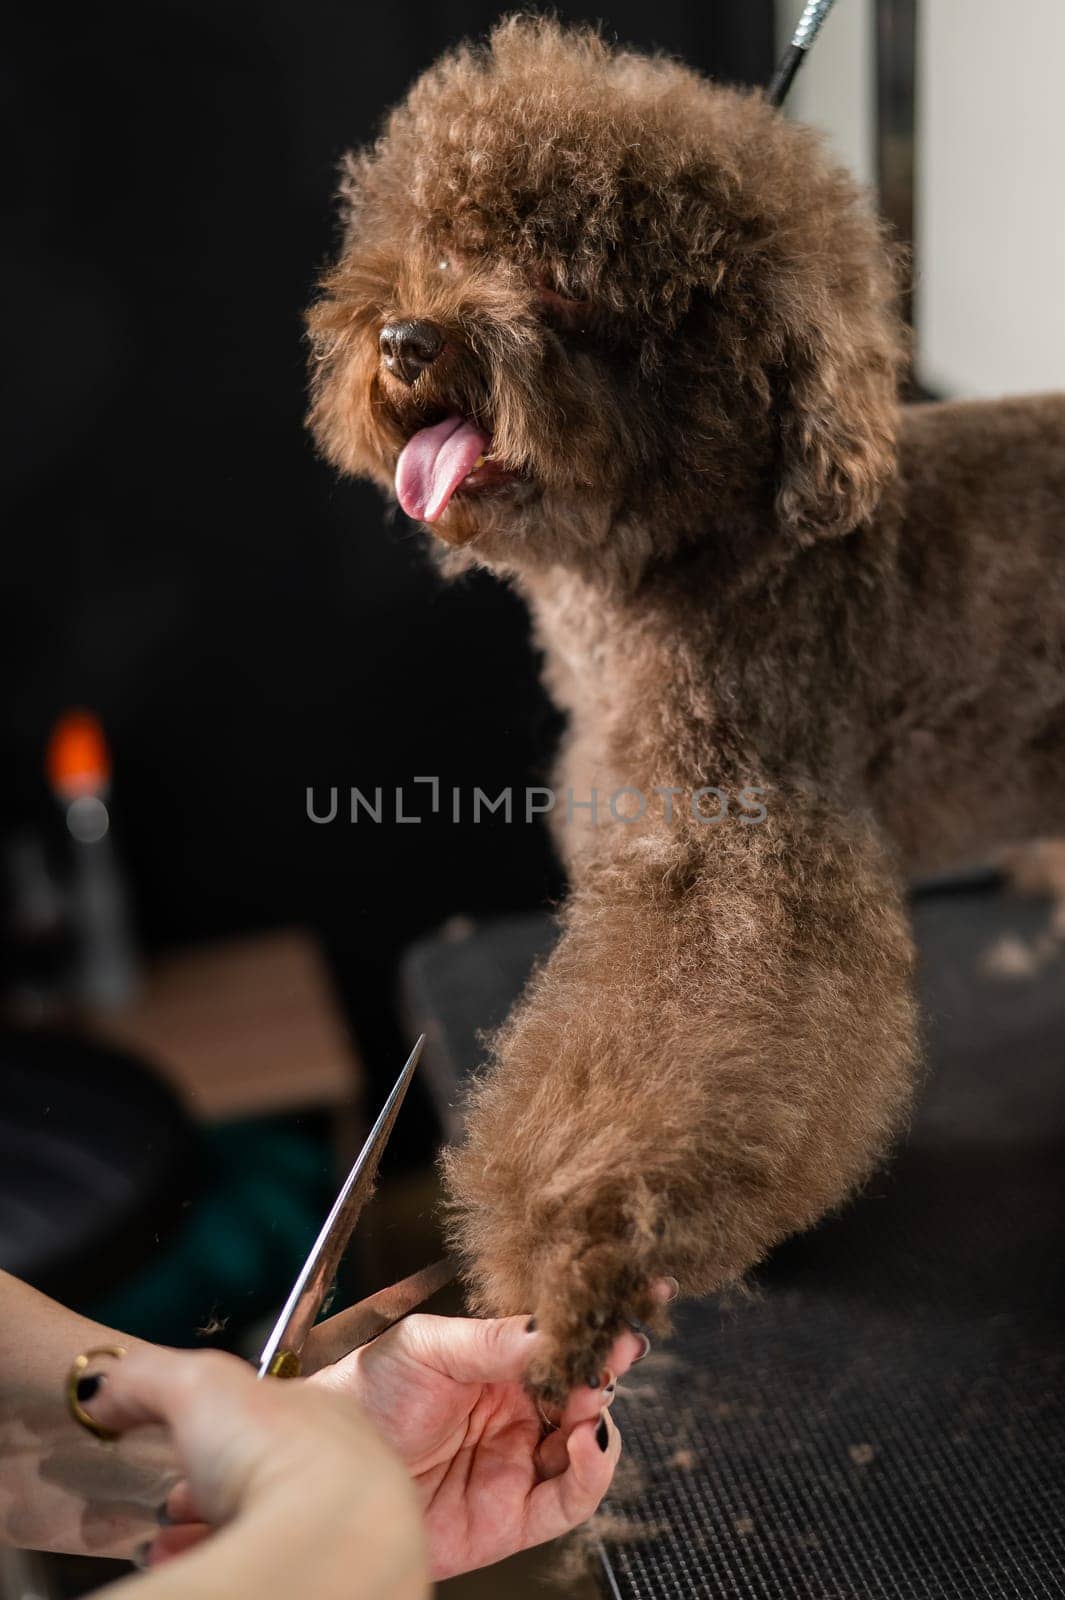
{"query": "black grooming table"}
(883, 1418)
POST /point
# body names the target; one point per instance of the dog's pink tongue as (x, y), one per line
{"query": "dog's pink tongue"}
(434, 463)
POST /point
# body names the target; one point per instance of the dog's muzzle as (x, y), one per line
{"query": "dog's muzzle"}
(407, 348)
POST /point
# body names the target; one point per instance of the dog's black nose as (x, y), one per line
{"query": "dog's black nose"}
(407, 348)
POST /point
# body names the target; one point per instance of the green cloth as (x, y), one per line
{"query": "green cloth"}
(269, 1184)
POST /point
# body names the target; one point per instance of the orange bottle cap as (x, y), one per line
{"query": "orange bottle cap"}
(78, 761)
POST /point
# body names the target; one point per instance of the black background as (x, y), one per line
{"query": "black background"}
(175, 557)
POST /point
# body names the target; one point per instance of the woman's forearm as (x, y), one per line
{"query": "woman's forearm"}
(60, 1488)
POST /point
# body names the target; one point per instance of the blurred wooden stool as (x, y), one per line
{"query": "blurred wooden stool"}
(245, 1028)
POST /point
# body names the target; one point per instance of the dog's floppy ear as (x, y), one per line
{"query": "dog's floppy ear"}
(837, 403)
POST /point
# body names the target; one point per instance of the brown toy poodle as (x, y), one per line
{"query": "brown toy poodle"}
(629, 339)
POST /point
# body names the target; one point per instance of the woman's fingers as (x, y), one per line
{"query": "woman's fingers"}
(570, 1498)
(628, 1348)
(480, 1350)
(552, 1454)
(154, 1385)
(171, 1542)
(464, 1349)
(180, 1505)
(225, 1426)
(310, 1464)
(587, 1401)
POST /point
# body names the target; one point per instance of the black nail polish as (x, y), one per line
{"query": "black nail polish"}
(142, 1554)
(163, 1517)
(602, 1434)
(88, 1387)
(597, 1381)
(530, 1326)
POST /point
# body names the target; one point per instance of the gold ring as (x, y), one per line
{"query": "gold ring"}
(74, 1405)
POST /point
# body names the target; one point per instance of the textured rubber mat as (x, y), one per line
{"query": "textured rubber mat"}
(883, 1418)
(814, 1448)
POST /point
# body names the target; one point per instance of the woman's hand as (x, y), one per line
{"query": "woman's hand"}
(302, 1492)
(494, 1476)
(447, 1393)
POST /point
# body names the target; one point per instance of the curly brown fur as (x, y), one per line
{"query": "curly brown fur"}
(676, 320)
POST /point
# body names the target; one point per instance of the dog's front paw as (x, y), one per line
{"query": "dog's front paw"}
(587, 1260)
(581, 1305)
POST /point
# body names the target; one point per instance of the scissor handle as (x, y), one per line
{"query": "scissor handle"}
(283, 1364)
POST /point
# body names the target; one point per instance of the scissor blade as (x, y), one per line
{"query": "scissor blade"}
(311, 1287)
(338, 1336)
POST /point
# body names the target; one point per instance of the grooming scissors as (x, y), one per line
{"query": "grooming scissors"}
(297, 1346)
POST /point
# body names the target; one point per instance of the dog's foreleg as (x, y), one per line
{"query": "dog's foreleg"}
(719, 1049)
